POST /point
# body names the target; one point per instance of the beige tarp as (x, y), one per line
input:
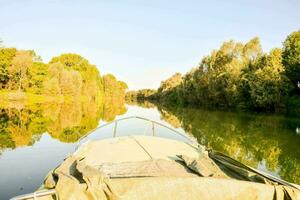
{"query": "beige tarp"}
(143, 168)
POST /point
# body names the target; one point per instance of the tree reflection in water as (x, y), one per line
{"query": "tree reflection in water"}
(22, 125)
(259, 140)
(267, 142)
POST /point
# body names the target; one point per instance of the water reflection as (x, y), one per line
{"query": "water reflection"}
(45, 133)
(23, 125)
(267, 142)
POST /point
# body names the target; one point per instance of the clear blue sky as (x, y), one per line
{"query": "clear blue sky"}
(143, 42)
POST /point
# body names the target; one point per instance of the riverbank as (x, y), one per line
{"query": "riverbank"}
(30, 98)
(290, 105)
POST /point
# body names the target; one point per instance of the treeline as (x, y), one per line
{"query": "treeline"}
(140, 94)
(238, 75)
(67, 75)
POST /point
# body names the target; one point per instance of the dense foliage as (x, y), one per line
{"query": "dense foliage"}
(291, 58)
(80, 97)
(67, 75)
(241, 76)
(140, 94)
(72, 97)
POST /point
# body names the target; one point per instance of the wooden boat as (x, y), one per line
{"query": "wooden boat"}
(150, 167)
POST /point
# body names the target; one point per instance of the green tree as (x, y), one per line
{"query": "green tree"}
(170, 83)
(291, 58)
(73, 61)
(170, 88)
(217, 78)
(139, 95)
(92, 85)
(6, 57)
(252, 49)
(37, 75)
(52, 84)
(235, 75)
(19, 67)
(268, 84)
(70, 82)
(114, 88)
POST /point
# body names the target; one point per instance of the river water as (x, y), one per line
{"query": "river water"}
(35, 139)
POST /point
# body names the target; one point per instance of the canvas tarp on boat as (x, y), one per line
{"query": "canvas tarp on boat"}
(142, 167)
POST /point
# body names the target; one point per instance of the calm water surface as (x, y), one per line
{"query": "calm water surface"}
(35, 139)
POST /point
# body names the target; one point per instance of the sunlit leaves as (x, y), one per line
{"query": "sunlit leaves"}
(6, 57)
(19, 67)
(267, 84)
(238, 75)
(291, 58)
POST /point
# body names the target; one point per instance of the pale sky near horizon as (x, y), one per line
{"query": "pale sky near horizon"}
(143, 42)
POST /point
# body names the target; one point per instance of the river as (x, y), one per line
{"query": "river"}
(35, 139)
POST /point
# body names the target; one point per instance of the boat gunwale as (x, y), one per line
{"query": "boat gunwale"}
(191, 141)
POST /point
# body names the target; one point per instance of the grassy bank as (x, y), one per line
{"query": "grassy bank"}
(30, 98)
